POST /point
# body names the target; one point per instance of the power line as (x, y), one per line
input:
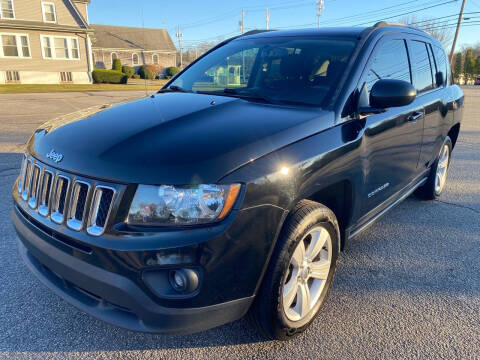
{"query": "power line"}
(225, 16)
(377, 12)
(374, 12)
(443, 17)
(387, 10)
(406, 13)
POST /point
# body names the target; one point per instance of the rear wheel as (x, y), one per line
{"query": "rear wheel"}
(438, 173)
(300, 272)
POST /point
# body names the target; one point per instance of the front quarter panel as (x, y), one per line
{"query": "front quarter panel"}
(298, 171)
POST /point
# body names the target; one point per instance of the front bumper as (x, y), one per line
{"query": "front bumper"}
(110, 296)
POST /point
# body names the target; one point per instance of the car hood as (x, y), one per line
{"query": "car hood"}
(172, 138)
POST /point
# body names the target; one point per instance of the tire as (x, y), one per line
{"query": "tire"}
(431, 190)
(272, 313)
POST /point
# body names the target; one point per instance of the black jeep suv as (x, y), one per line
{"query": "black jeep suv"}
(234, 188)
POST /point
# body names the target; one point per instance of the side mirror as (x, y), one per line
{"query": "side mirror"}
(439, 78)
(387, 93)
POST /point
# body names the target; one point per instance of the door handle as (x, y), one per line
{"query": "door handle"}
(415, 116)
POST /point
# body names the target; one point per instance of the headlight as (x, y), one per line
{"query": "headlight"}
(181, 205)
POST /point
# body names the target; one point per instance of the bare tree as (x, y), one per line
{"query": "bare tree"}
(438, 29)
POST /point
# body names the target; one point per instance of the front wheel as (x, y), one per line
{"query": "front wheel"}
(437, 178)
(300, 272)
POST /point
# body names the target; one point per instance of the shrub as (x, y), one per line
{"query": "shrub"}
(128, 70)
(145, 72)
(136, 76)
(172, 71)
(117, 65)
(109, 76)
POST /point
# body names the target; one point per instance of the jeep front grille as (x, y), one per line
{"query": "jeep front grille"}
(100, 209)
(59, 197)
(78, 203)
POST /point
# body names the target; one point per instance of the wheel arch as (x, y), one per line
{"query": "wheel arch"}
(453, 133)
(338, 197)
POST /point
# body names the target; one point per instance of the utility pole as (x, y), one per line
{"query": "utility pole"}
(242, 22)
(320, 8)
(179, 36)
(460, 16)
(268, 18)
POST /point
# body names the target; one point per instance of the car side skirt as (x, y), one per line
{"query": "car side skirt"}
(387, 205)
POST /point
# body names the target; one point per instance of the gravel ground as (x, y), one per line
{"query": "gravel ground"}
(409, 287)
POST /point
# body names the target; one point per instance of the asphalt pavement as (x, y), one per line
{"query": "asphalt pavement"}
(408, 287)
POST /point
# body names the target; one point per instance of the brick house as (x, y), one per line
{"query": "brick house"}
(45, 42)
(133, 46)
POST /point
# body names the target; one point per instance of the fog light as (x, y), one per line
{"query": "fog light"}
(178, 280)
(184, 280)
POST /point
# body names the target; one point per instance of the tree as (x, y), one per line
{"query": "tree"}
(438, 29)
(457, 66)
(469, 65)
(117, 65)
(477, 66)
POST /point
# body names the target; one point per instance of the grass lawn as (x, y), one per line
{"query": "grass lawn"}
(34, 88)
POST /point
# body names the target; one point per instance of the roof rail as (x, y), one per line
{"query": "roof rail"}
(381, 24)
(386, 23)
(257, 31)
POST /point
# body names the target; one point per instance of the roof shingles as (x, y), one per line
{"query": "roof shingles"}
(120, 37)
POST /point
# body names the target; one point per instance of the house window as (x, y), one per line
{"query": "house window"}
(48, 10)
(75, 52)
(60, 47)
(114, 56)
(47, 48)
(6, 9)
(155, 59)
(14, 45)
(12, 76)
(135, 59)
(66, 77)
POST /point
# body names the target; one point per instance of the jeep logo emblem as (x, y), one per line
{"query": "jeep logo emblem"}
(56, 157)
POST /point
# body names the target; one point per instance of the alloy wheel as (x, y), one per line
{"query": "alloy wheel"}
(307, 274)
(442, 169)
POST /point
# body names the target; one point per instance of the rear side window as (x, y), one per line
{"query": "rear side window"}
(421, 67)
(441, 61)
(390, 62)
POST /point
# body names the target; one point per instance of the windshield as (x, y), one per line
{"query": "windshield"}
(277, 70)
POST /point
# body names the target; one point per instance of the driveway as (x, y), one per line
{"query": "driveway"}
(408, 287)
(22, 113)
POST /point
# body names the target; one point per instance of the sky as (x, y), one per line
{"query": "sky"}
(215, 20)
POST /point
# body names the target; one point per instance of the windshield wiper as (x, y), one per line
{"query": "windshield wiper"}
(174, 88)
(235, 93)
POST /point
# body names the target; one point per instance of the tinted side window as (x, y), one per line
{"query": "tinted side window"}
(421, 70)
(441, 61)
(390, 61)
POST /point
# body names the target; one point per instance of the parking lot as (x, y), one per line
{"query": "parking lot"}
(409, 286)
